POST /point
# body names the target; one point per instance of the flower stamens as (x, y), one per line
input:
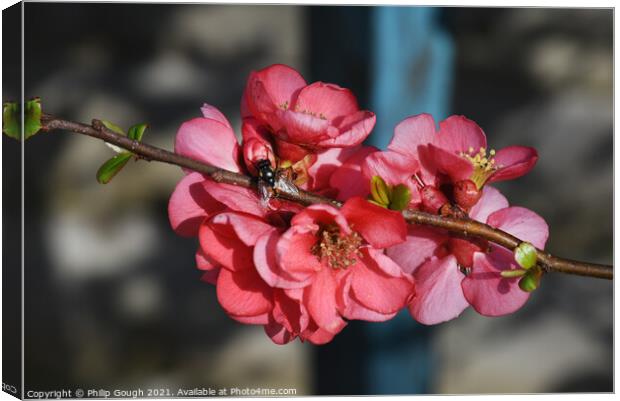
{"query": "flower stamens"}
(337, 250)
(484, 165)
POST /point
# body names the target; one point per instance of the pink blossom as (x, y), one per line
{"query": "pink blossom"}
(334, 259)
(420, 156)
(438, 262)
(304, 118)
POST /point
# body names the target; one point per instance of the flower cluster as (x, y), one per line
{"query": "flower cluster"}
(305, 271)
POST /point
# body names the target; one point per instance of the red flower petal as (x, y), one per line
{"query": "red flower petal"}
(515, 161)
(348, 179)
(209, 141)
(444, 161)
(490, 201)
(190, 204)
(458, 134)
(220, 242)
(248, 228)
(236, 198)
(326, 101)
(294, 255)
(412, 132)
(243, 293)
(421, 244)
(320, 299)
(267, 266)
(376, 290)
(488, 292)
(439, 296)
(213, 113)
(382, 228)
(351, 130)
(352, 309)
(522, 223)
(301, 128)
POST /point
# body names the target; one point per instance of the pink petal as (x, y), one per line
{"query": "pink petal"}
(421, 244)
(220, 243)
(488, 292)
(395, 168)
(412, 132)
(302, 129)
(204, 261)
(208, 141)
(326, 163)
(210, 276)
(490, 201)
(272, 87)
(278, 333)
(352, 130)
(261, 319)
(294, 255)
(321, 214)
(290, 151)
(320, 299)
(319, 336)
(236, 198)
(211, 112)
(458, 134)
(268, 267)
(439, 296)
(243, 293)
(190, 204)
(348, 179)
(522, 223)
(376, 290)
(514, 161)
(381, 227)
(352, 309)
(248, 228)
(457, 167)
(288, 312)
(326, 101)
(378, 260)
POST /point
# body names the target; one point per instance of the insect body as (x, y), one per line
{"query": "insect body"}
(270, 180)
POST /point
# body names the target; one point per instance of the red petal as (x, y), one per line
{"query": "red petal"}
(209, 141)
(420, 246)
(349, 179)
(514, 161)
(294, 256)
(351, 131)
(457, 167)
(236, 198)
(247, 227)
(491, 201)
(458, 134)
(439, 296)
(267, 266)
(382, 228)
(352, 309)
(213, 113)
(243, 293)
(190, 204)
(488, 292)
(327, 101)
(412, 132)
(220, 242)
(320, 299)
(522, 223)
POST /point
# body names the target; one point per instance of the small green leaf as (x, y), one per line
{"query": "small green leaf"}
(530, 281)
(11, 120)
(113, 127)
(32, 117)
(137, 131)
(512, 273)
(109, 169)
(401, 196)
(379, 191)
(525, 255)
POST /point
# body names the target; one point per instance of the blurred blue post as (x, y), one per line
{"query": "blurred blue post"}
(412, 74)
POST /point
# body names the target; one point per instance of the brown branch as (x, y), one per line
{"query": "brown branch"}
(465, 227)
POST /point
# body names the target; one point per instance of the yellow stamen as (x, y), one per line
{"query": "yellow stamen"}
(337, 250)
(484, 165)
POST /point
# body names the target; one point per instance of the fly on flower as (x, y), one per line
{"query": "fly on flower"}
(281, 180)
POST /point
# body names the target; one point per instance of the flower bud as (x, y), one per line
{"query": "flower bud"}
(466, 193)
(255, 150)
(432, 199)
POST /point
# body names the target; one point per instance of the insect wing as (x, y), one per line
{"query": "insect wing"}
(284, 184)
(264, 192)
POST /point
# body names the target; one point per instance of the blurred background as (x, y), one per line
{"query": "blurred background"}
(112, 295)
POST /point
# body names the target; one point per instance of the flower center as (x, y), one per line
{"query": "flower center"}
(484, 165)
(337, 250)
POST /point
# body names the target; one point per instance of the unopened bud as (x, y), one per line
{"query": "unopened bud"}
(466, 193)
(432, 199)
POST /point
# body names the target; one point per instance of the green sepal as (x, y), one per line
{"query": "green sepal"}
(113, 127)
(513, 273)
(525, 255)
(380, 191)
(400, 197)
(32, 117)
(137, 131)
(11, 120)
(530, 281)
(109, 169)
